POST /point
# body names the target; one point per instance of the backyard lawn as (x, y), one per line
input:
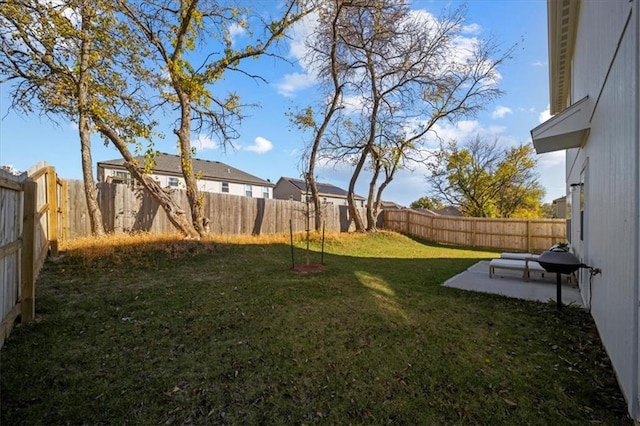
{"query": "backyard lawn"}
(150, 330)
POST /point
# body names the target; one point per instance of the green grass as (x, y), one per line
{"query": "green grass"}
(170, 332)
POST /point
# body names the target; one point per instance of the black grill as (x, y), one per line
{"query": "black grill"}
(560, 262)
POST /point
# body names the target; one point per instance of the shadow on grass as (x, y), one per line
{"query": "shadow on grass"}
(442, 245)
(188, 332)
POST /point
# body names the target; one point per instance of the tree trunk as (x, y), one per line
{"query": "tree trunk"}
(318, 214)
(174, 212)
(371, 215)
(333, 107)
(375, 207)
(90, 192)
(200, 223)
(353, 210)
(84, 131)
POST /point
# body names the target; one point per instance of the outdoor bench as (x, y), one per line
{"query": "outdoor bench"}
(526, 266)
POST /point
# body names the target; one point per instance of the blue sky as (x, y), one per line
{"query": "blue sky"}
(269, 147)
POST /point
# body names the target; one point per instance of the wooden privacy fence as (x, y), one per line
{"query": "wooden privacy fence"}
(28, 231)
(127, 209)
(521, 235)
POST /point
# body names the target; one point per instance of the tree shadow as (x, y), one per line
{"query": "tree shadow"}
(107, 201)
(257, 225)
(146, 212)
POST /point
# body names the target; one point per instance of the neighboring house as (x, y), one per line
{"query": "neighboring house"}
(425, 211)
(390, 205)
(213, 176)
(559, 208)
(296, 189)
(595, 101)
(449, 211)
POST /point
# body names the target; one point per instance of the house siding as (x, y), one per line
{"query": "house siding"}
(285, 190)
(605, 68)
(205, 185)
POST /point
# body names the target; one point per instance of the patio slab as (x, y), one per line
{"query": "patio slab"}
(510, 283)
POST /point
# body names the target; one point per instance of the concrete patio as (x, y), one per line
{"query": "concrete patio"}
(510, 283)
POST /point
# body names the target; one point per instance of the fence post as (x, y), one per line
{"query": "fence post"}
(431, 236)
(52, 200)
(27, 297)
(473, 232)
(528, 236)
(407, 227)
(64, 209)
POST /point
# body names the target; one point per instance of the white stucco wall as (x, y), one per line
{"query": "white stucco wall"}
(605, 69)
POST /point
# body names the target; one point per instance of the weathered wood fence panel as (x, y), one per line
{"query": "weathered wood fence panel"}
(29, 230)
(127, 209)
(11, 213)
(522, 235)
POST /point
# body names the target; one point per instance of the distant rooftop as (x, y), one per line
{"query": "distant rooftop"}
(323, 188)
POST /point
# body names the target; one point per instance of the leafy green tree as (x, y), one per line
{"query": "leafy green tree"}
(78, 60)
(47, 54)
(428, 203)
(175, 32)
(485, 180)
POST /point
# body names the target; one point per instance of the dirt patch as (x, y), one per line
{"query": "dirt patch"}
(309, 269)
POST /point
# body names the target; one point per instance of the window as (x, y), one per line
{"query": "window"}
(173, 182)
(248, 191)
(120, 177)
(265, 192)
(225, 186)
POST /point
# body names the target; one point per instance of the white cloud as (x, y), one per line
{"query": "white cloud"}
(551, 159)
(300, 33)
(260, 145)
(236, 30)
(204, 142)
(292, 83)
(474, 29)
(538, 64)
(544, 115)
(501, 112)
(465, 130)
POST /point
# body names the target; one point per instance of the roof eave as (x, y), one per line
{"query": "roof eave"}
(562, 18)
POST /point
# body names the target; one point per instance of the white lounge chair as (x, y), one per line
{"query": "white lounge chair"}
(526, 266)
(518, 256)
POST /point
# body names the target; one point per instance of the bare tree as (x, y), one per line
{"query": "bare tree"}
(323, 57)
(408, 72)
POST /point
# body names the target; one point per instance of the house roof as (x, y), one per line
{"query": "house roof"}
(325, 189)
(390, 205)
(449, 211)
(169, 164)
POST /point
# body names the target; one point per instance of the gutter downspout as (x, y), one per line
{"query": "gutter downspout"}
(635, 401)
